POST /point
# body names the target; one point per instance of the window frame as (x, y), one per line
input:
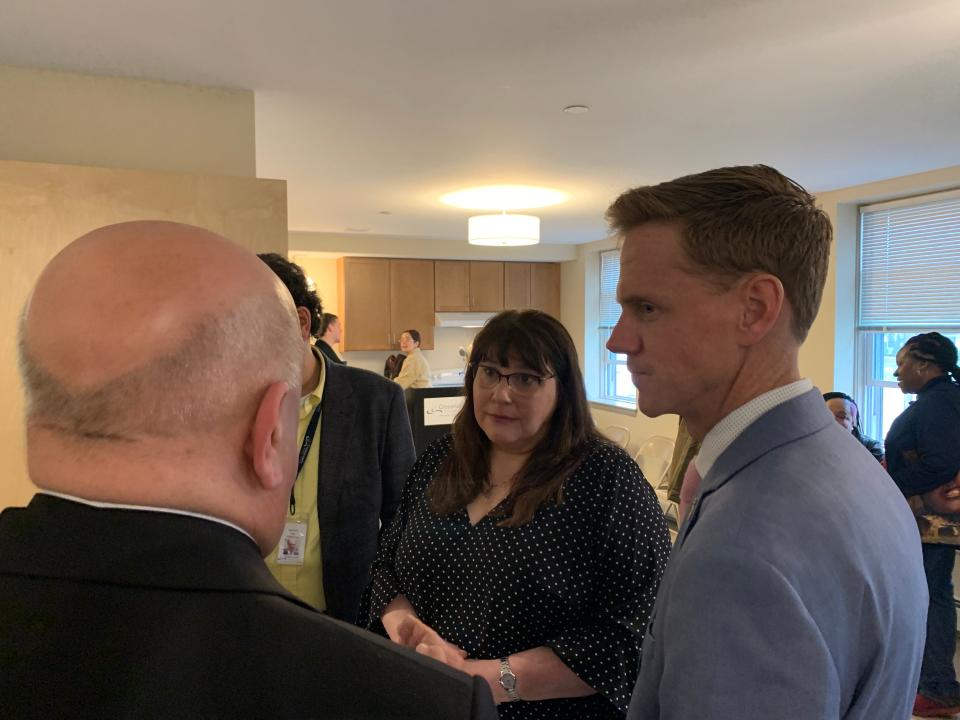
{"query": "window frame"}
(869, 379)
(611, 365)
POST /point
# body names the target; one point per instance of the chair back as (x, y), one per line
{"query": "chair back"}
(618, 435)
(653, 456)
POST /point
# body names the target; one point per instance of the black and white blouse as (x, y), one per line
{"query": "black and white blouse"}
(580, 577)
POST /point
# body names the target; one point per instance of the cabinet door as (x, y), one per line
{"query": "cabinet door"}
(486, 286)
(516, 286)
(364, 303)
(451, 285)
(545, 288)
(411, 300)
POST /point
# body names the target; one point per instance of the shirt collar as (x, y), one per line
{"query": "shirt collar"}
(144, 508)
(722, 435)
(310, 401)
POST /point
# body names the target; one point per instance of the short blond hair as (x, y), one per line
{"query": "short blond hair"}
(740, 220)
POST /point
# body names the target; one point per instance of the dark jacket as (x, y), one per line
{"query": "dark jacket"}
(366, 451)
(328, 352)
(923, 445)
(875, 448)
(110, 613)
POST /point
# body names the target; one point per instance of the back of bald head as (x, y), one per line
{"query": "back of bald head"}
(154, 330)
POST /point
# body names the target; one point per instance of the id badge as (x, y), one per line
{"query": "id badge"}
(293, 542)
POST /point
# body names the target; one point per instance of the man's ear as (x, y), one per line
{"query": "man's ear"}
(267, 441)
(762, 304)
(303, 315)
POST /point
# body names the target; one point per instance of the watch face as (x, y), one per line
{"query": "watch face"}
(508, 681)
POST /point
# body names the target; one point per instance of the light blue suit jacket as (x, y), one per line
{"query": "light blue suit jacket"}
(795, 588)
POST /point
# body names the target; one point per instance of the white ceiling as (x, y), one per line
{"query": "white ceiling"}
(366, 106)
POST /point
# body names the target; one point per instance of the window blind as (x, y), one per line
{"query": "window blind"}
(910, 263)
(609, 275)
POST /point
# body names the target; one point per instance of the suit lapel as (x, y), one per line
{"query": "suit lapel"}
(339, 410)
(784, 424)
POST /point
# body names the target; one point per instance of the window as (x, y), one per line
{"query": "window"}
(909, 283)
(616, 385)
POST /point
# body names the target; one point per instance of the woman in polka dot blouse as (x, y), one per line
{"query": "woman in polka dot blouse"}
(527, 550)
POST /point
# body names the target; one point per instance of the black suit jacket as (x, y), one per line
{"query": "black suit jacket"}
(366, 451)
(112, 613)
(328, 352)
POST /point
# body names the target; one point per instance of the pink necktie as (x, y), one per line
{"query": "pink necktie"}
(689, 490)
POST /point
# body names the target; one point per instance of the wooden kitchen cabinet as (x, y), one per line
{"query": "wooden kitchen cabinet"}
(516, 285)
(451, 285)
(411, 300)
(486, 286)
(532, 285)
(468, 286)
(545, 288)
(380, 298)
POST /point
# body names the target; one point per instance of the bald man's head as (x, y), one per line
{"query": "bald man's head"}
(153, 329)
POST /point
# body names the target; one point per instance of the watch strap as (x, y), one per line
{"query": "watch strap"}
(508, 680)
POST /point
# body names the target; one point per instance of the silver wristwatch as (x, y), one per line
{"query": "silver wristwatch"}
(508, 681)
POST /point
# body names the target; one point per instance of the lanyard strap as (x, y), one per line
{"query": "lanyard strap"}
(304, 451)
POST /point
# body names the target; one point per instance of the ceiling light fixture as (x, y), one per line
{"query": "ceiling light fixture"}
(505, 197)
(576, 109)
(503, 229)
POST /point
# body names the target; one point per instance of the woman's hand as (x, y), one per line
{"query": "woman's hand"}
(413, 633)
(944, 500)
(398, 610)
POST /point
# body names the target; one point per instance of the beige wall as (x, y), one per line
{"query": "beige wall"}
(44, 206)
(118, 122)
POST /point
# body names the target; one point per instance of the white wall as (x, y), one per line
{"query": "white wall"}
(54, 117)
(333, 245)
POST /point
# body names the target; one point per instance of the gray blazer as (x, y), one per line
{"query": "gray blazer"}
(366, 451)
(796, 586)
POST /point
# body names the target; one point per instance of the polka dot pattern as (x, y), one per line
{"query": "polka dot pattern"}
(581, 577)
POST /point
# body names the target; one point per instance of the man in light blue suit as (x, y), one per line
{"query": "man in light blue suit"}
(796, 587)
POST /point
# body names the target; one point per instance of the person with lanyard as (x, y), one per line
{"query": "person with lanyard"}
(923, 457)
(356, 449)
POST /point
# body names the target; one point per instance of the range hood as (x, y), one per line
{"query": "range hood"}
(462, 319)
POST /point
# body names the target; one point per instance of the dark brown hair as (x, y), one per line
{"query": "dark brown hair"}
(542, 344)
(740, 220)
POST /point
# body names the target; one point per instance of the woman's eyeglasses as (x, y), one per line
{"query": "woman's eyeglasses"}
(522, 383)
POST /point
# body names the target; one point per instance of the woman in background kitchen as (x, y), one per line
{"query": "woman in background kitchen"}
(527, 549)
(415, 373)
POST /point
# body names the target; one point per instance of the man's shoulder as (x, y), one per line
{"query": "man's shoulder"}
(326, 648)
(362, 381)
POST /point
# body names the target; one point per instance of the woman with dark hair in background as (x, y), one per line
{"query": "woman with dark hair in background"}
(923, 455)
(527, 549)
(847, 415)
(415, 372)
